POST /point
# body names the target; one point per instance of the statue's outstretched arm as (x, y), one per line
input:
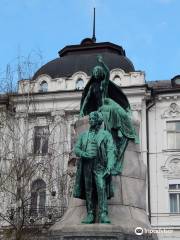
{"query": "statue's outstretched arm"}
(105, 82)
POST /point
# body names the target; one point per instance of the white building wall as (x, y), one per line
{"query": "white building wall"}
(159, 154)
(69, 83)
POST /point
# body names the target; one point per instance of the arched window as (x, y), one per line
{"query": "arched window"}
(117, 79)
(38, 197)
(43, 86)
(80, 84)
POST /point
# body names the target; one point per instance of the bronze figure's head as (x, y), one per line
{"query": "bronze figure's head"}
(95, 118)
(98, 73)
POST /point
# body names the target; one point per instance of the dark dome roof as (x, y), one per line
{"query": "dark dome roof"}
(83, 57)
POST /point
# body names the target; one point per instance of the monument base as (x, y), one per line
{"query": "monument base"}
(97, 232)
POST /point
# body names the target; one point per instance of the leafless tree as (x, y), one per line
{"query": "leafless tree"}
(28, 151)
(22, 67)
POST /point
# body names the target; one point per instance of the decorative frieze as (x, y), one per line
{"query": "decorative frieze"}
(172, 111)
(172, 166)
(167, 98)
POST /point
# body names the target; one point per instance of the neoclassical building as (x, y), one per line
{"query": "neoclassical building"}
(53, 99)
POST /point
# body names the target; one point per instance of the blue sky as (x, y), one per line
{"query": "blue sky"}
(149, 30)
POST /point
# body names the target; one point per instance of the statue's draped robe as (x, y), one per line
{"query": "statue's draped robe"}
(118, 122)
(117, 118)
(106, 155)
(114, 92)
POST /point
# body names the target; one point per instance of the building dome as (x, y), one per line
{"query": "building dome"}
(83, 58)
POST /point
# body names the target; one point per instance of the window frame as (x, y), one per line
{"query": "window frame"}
(35, 145)
(117, 80)
(176, 192)
(41, 89)
(175, 148)
(80, 79)
(37, 197)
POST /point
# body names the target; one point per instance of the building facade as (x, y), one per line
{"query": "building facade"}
(47, 106)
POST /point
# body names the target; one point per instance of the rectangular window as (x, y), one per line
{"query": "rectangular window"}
(173, 135)
(174, 198)
(41, 135)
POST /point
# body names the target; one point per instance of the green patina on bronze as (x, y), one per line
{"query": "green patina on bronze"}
(101, 151)
(102, 95)
(96, 150)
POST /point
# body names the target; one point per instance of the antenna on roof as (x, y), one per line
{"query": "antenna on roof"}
(94, 21)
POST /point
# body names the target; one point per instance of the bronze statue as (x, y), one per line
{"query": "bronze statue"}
(100, 87)
(96, 150)
(100, 94)
(101, 151)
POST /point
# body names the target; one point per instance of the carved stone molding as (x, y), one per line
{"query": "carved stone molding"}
(172, 111)
(172, 166)
(58, 113)
(136, 107)
(59, 116)
(161, 98)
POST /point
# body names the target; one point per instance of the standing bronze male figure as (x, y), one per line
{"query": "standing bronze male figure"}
(96, 150)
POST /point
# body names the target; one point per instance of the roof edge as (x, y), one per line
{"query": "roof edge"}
(82, 47)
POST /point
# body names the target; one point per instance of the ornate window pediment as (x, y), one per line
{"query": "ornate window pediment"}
(172, 166)
(172, 111)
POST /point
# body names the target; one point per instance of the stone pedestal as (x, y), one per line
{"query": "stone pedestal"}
(127, 209)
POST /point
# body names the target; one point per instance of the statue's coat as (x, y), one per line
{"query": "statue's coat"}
(106, 152)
